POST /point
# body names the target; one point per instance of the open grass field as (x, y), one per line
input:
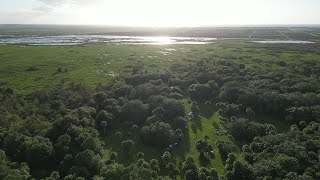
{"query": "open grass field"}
(28, 68)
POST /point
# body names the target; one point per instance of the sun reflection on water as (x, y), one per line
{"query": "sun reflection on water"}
(159, 40)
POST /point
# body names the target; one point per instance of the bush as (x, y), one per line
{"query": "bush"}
(134, 111)
(127, 145)
(225, 147)
(158, 134)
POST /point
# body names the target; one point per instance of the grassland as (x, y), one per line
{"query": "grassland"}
(28, 68)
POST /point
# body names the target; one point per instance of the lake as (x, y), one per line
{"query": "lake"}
(82, 39)
(284, 42)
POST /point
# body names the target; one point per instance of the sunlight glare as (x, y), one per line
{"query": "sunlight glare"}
(176, 13)
(160, 40)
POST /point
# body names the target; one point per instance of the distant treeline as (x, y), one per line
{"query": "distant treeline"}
(268, 32)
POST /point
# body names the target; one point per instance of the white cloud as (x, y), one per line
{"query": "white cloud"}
(42, 9)
(160, 12)
(68, 2)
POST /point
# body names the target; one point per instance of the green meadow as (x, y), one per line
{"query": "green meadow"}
(27, 68)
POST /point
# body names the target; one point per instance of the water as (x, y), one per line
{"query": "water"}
(66, 40)
(82, 39)
(284, 42)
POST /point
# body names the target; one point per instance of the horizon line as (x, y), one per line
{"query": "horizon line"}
(199, 26)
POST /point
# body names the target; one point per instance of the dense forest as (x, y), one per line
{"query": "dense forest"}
(58, 133)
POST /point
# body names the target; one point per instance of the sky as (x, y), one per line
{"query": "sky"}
(160, 13)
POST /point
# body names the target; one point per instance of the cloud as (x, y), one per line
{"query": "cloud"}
(56, 3)
(41, 9)
(49, 6)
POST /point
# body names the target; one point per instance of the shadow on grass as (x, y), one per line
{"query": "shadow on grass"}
(204, 161)
(194, 128)
(114, 138)
(196, 124)
(183, 147)
(207, 110)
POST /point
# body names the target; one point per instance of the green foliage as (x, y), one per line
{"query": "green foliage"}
(86, 163)
(55, 131)
(244, 130)
(201, 146)
(104, 125)
(179, 122)
(140, 155)
(11, 170)
(189, 165)
(113, 171)
(226, 147)
(158, 134)
(165, 158)
(127, 146)
(104, 116)
(200, 92)
(113, 156)
(134, 111)
(39, 150)
(250, 113)
(144, 91)
(195, 108)
(93, 144)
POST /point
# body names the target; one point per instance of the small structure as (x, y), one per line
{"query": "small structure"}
(211, 154)
(191, 115)
(172, 146)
